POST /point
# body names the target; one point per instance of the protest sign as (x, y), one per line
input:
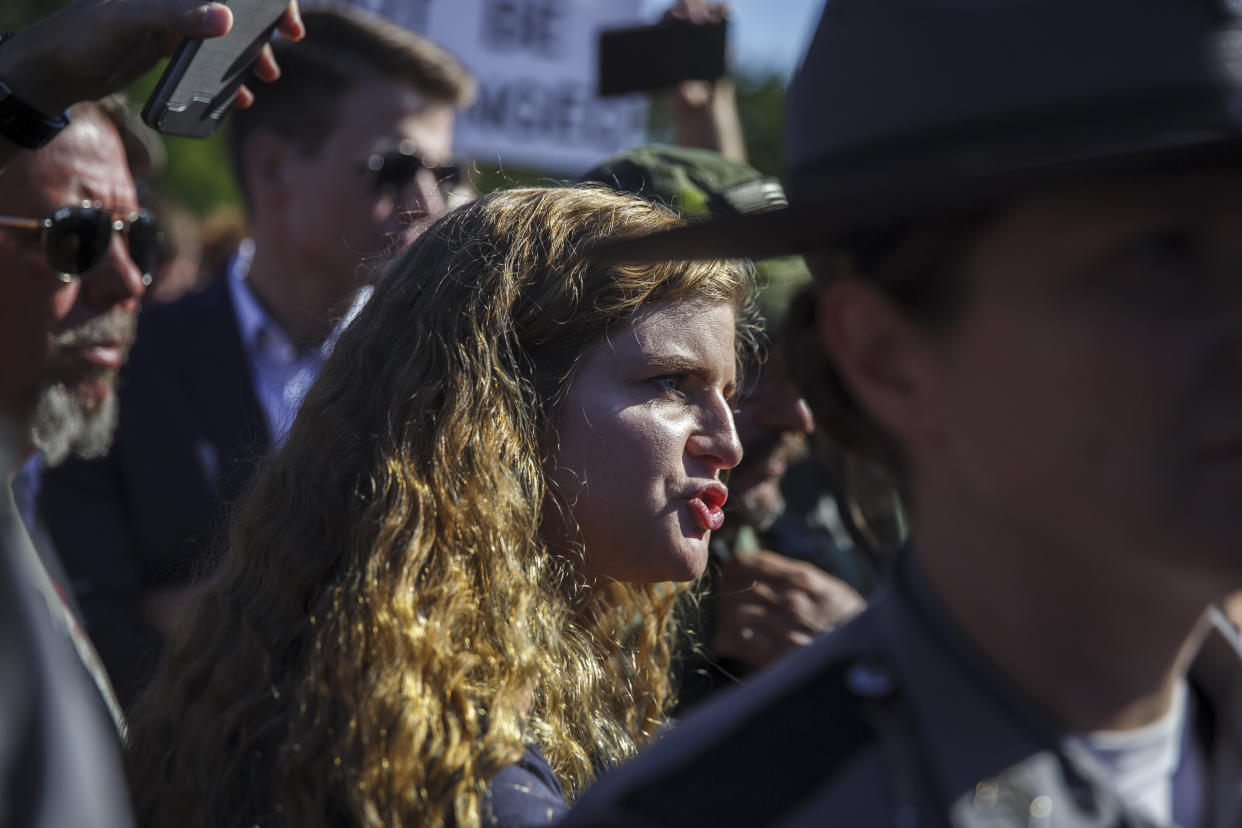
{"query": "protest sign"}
(537, 65)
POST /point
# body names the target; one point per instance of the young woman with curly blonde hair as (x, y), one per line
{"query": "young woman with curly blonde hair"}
(453, 592)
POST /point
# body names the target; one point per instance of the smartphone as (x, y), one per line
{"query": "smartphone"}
(203, 76)
(646, 58)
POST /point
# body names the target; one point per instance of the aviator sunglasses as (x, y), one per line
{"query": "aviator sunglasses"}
(76, 238)
(394, 170)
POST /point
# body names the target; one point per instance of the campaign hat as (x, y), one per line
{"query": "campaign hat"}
(902, 109)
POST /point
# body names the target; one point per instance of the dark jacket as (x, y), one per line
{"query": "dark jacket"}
(150, 513)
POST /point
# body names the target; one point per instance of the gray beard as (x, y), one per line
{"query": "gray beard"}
(761, 516)
(64, 425)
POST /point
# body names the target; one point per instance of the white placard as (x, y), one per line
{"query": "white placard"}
(536, 62)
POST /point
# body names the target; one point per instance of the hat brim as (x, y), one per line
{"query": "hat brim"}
(838, 200)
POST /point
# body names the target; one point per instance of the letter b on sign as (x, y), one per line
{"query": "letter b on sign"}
(524, 26)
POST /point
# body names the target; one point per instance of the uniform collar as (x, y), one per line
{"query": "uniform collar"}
(993, 752)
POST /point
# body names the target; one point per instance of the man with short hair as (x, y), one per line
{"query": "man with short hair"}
(1024, 222)
(336, 162)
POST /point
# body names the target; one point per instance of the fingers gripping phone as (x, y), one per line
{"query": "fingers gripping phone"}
(645, 58)
(201, 81)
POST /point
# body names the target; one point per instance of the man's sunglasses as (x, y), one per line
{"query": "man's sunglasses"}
(76, 238)
(394, 170)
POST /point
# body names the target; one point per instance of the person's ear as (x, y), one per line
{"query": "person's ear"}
(265, 161)
(882, 357)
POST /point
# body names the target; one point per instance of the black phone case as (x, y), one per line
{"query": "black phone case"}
(201, 81)
(645, 58)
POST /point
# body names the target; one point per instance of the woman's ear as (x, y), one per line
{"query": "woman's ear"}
(883, 358)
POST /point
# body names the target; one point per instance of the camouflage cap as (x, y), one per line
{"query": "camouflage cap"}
(699, 183)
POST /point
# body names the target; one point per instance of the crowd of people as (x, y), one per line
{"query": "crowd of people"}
(904, 494)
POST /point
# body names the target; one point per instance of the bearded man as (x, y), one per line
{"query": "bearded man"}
(74, 252)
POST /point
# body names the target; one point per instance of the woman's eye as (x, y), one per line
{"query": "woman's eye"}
(669, 383)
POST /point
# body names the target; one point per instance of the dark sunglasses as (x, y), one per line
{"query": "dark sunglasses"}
(76, 238)
(395, 169)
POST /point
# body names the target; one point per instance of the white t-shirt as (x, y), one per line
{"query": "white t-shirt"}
(1159, 768)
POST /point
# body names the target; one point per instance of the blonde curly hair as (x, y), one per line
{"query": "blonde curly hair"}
(388, 628)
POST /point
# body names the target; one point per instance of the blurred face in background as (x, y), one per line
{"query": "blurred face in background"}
(62, 344)
(355, 197)
(772, 422)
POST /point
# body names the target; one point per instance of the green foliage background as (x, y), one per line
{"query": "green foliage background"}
(198, 172)
(19, 13)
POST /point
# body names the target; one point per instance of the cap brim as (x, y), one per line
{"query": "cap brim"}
(758, 236)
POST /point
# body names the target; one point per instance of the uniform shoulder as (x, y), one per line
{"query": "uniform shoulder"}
(763, 750)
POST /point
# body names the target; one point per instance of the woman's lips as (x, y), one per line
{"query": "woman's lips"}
(706, 506)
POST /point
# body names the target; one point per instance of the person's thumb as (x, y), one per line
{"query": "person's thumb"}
(199, 19)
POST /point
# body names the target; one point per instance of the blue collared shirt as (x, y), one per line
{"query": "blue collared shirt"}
(280, 372)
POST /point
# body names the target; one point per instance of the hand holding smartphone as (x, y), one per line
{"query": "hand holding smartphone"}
(202, 79)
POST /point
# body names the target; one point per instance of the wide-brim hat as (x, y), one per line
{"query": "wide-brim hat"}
(903, 109)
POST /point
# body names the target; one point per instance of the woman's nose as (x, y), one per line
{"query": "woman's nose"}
(716, 439)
